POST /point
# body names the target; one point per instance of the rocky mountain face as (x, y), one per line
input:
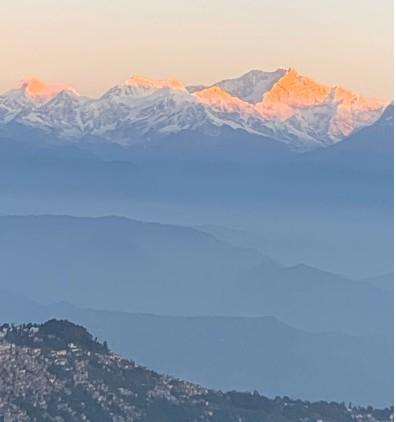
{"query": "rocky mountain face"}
(57, 371)
(283, 105)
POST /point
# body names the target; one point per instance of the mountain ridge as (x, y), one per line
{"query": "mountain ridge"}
(191, 272)
(57, 371)
(283, 105)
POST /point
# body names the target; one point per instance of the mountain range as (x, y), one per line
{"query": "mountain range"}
(246, 226)
(282, 105)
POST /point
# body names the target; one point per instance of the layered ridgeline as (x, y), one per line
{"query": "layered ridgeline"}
(58, 372)
(282, 105)
(125, 265)
(290, 325)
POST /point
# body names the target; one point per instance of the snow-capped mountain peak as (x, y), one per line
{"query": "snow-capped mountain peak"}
(292, 91)
(326, 113)
(142, 82)
(62, 114)
(352, 111)
(284, 105)
(31, 94)
(138, 87)
(41, 92)
(251, 86)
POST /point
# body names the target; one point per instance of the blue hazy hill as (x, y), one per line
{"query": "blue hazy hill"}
(121, 264)
(231, 353)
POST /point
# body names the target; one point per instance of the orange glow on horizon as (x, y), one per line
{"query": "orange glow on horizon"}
(36, 88)
(140, 81)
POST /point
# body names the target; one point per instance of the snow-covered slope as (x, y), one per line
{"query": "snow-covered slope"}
(156, 113)
(63, 114)
(31, 94)
(251, 86)
(328, 114)
(283, 105)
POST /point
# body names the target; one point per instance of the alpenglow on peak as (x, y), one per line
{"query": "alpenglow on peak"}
(282, 104)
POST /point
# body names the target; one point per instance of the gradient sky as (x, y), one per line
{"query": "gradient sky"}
(94, 44)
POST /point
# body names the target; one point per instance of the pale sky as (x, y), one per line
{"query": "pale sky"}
(95, 44)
